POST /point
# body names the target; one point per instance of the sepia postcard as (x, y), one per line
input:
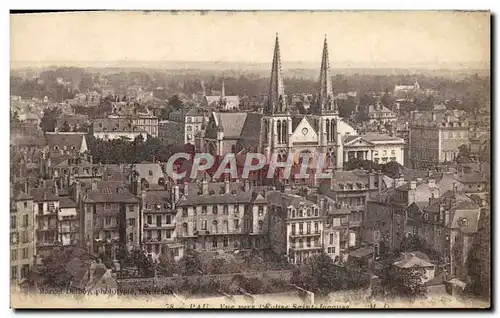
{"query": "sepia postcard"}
(256, 160)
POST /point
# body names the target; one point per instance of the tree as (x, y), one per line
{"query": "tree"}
(190, 263)
(144, 265)
(321, 276)
(175, 102)
(49, 119)
(406, 283)
(464, 154)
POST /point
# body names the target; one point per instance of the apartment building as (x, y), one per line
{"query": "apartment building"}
(22, 231)
(225, 216)
(295, 227)
(435, 137)
(68, 222)
(46, 208)
(110, 218)
(182, 127)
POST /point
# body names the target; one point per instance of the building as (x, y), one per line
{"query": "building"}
(46, 209)
(411, 261)
(435, 138)
(295, 226)
(407, 88)
(68, 222)
(221, 102)
(22, 232)
(277, 131)
(226, 216)
(375, 147)
(380, 115)
(116, 128)
(181, 127)
(110, 218)
(59, 143)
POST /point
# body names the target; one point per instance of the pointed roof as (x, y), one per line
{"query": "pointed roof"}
(326, 99)
(277, 88)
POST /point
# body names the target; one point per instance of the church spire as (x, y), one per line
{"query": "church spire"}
(277, 98)
(223, 90)
(326, 101)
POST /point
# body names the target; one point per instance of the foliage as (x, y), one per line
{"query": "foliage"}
(464, 154)
(53, 267)
(191, 264)
(49, 119)
(479, 259)
(124, 150)
(321, 276)
(400, 283)
(144, 264)
(392, 169)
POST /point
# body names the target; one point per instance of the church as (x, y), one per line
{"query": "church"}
(277, 130)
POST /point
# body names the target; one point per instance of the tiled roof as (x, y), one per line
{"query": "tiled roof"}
(232, 123)
(285, 199)
(251, 127)
(412, 261)
(114, 124)
(152, 172)
(44, 194)
(217, 196)
(61, 140)
(473, 177)
(65, 202)
(466, 217)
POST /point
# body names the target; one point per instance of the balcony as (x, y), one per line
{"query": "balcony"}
(107, 228)
(107, 241)
(305, 248)
(305, 234)
(48, 243)
(47, 228)
(150, 240)
(155, 226)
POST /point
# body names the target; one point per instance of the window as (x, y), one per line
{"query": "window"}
(24, 237)
(13, 255)
(293, 213)
(293, 229)
(214, 242)
(13, 272)
(261, 210)
(301, 228)
(261, 225)
(330, 250)
(225, 209)
(25, 220)
(168, 219)
(316, 212)
(184, 211)
(214, 209)
(308, 212)
(131, 222)
(308, 228)
(25, 204)
(215, 227)
(195, 226)
(301, 213)
(149, 219)
(204, 209)
(225, 226)
(331, 238)
(158, 220)
(13, 223)
(131, 237)
(225, 241)
(131, 208)
(316, 227)
(25, 253)
(236, 224)
(204, 225)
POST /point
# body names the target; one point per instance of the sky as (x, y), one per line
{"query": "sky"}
(373, 38)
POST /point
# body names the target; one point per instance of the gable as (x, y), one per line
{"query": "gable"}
(304, 133)
(358, 142)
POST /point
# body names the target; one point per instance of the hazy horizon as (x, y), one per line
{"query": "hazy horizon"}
(368, 39)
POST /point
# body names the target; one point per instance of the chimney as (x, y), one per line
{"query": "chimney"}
(247, 185)
(379, 181)
(204, 187)
(454, 188)
(446, 217)
(91, 159)
(226, 186)
(413, 185)
(26, 186)
(429, 173)
(93, 185)
(433, 116)
(56, 189)
(441, 212)
(186, 187)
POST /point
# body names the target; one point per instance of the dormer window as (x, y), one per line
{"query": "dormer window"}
(150, 172)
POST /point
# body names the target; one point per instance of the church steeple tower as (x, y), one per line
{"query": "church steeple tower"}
(277, 98)
(223, 90)
(326, 101)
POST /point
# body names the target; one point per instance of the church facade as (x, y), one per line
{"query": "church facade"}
(278, 131)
